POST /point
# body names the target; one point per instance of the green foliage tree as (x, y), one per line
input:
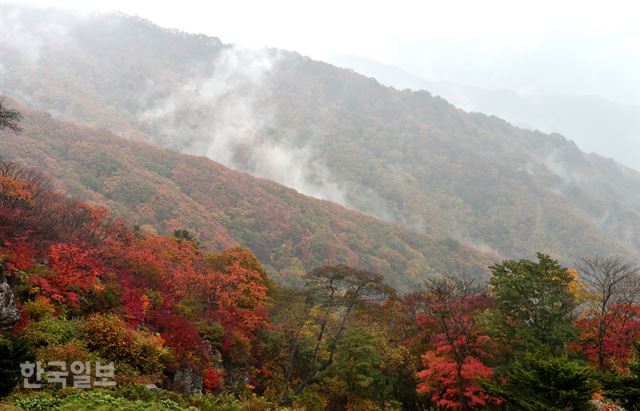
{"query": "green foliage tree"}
(545, 382)
(358, 362)
(624, 388)
(287, 346)
(337, 292)
(534, 304)
(310, 326)
(186, 235)
(13, 352)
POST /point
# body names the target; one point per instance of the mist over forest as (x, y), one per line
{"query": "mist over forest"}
(417, 218)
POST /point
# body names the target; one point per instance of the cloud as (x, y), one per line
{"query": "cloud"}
(21, 34)
(223, 112)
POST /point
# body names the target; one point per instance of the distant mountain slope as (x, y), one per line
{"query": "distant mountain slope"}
(404, 156)
(288, 232)
(468, 175)
(594, 123)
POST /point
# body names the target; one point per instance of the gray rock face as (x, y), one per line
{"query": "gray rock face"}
(187, 381)
(9, 313)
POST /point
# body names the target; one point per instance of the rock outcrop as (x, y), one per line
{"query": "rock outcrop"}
(187, 381)
(9, 313)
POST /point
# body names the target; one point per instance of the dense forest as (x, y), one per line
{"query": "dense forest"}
(406, 157)
(163, 191)
(192, 328)
(187, 224)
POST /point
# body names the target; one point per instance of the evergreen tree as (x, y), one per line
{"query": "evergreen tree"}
(545, 383)
(625, 388)
(13, 352)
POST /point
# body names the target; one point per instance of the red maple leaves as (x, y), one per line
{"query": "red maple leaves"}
(454, 367)
(72, 252)
(74, 267)
(614, 342)
(211, 379)
(452, 381)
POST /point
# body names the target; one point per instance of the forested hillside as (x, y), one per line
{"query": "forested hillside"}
(189, 225)
(158, 189)
(406, 157)
(183, 328)
(594, 123)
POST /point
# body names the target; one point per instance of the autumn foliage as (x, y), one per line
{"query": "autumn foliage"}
(442, 376)
(80, 260)
(212, 379)
(74, 268)
(90, 285)
(455, 365)
(615, 344)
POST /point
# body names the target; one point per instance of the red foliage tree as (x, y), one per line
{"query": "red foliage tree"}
(614, 345)
(20, 253)
(228, 288)
(74, 267)
(454, 364)
(236, 291)
(211, 379)
(610, 319)
(182, 336)
(454, 382)
(169, 284)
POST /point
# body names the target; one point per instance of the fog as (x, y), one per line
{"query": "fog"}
(595, 123)
(233, 125)
(230, 103)
(539, 50)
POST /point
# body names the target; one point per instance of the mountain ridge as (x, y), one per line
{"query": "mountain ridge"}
(579, 118)
(406, 157)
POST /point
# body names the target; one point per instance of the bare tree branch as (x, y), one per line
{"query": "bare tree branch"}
(613, 283)
(9, 118)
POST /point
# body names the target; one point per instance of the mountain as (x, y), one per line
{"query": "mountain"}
(406, 157)
(596, 124)
(290, 233)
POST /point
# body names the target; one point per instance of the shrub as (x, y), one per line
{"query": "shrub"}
(209, 402)
(77, 400)
(149, 354)
(108, 336)
(211, 379)
(70, 352)
(37, 401)
(310, 400)
(51, 331)
(13, 351)
(238, 349)
(213, 334)
(39, 309)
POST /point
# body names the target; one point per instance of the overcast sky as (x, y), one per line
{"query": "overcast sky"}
(593, 47)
